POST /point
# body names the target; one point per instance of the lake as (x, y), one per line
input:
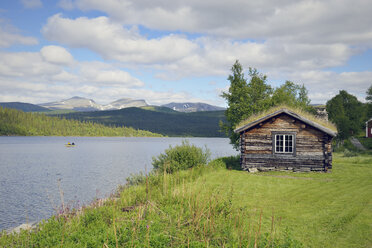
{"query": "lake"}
(34, 170)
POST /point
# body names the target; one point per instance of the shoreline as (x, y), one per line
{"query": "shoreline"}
(66, 212)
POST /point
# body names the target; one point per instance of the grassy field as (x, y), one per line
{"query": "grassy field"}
(212, 206)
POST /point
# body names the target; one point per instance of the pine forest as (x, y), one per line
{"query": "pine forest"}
(15, 122)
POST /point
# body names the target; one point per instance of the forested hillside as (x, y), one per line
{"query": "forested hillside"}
(15, 122)
(26, 107)
(158, 120)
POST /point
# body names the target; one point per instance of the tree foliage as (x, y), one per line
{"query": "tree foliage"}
(347, 113)
(247, 98)
(369, 102)
(159, 120)
(369, 94)
(291, 94)
(244, 99)
(16, 122)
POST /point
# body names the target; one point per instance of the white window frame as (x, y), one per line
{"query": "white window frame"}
(284, 144)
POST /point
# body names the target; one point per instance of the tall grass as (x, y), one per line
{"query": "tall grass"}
(211, 206)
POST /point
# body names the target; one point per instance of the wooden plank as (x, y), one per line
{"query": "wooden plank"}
(259, 152)
(257, 148)
(309, 153)
(259, 142)
(256, 140)
(280, 156)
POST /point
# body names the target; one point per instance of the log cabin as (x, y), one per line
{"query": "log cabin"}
(285, 140)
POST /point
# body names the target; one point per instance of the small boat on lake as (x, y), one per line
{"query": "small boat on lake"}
(70, 144)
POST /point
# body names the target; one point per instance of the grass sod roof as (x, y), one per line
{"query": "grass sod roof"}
(297, 113)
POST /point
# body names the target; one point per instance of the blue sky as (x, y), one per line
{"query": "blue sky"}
(172, 50)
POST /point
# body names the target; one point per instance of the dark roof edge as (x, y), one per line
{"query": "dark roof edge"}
(290, 113)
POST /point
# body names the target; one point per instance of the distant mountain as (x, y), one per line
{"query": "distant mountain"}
(124, 103)
(158, 119)
(83, 104)
(74, 103)
(192, 107)
(25, 107)
(159, 109)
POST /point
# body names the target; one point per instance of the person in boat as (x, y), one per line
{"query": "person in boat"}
(68, 143)
(73, 143)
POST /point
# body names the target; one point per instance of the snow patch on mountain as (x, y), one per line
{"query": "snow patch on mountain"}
(84, 104)
(192, 107)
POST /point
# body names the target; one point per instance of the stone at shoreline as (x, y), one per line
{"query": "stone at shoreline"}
(21, 227)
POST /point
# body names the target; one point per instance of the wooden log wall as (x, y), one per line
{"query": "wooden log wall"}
(312, 147)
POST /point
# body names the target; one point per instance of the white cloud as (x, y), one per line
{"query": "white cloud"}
(323, 85)
(65, 76)
(304, 21)
(114, 42)
(180, 57)
(283, 37)
(32, 92)
(9, 36)
(105, 74)
(152, 97)
(56, 55)
(29, 77)
(54, 65)
(66, 4)
(290, 39)
(26, 64)
(30, 4)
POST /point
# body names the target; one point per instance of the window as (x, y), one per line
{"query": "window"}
(284, 143)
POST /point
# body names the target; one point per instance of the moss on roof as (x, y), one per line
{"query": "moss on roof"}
(298, 111)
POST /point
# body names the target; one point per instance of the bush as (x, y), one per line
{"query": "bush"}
(348, 153)
(231, 163)
(344, 146)
(181, 157)
(135, 179)
(366, 142)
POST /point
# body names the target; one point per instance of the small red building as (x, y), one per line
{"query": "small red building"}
(369, 128)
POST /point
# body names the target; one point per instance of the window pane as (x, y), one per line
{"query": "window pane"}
(279, 143)
(284, 143)
(290, 143)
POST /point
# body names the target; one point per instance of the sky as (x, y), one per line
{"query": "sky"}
(180, 51)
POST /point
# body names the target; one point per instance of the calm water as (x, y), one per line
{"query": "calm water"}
(31, 169)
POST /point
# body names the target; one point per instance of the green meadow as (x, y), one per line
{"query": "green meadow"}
(218, 206)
